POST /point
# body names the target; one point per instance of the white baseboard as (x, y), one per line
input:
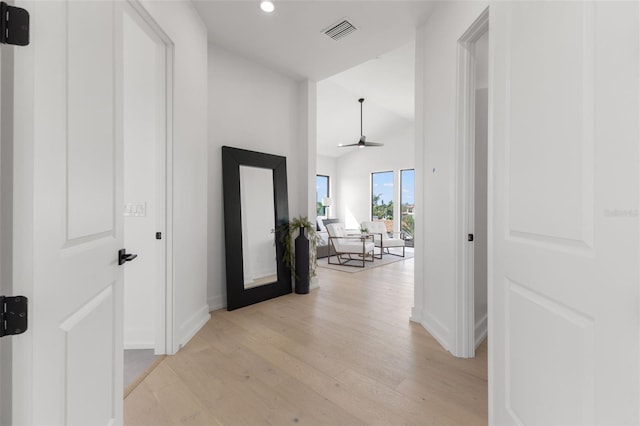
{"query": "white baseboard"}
(139, 338)
(220, 302)
(193, 325)
(139, 345)
(416, 315)
(481, 330)
(216, 302)
(437, 330)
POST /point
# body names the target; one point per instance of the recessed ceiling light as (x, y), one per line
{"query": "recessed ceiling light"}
(267, 6)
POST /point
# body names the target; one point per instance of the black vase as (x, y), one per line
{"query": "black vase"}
(302, 263)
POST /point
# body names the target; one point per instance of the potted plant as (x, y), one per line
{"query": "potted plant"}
(364, 229)
(300, 257)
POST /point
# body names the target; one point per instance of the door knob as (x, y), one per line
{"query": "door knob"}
(123, 256)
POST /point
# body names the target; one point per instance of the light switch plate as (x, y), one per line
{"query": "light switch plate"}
(137, 209)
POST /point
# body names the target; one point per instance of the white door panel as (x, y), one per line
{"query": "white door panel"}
(564, 328)
(93, 324)
(73, 353)
(90, 124)
(551, 123)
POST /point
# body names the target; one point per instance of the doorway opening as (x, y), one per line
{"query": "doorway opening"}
(472, 188)
(147, 149)
(375, 183)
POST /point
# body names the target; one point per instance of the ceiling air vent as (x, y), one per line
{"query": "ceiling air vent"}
(341, 29)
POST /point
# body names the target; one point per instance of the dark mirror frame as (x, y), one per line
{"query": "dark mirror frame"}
(232, 159)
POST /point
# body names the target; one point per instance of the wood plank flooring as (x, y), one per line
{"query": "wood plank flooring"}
(345, 354)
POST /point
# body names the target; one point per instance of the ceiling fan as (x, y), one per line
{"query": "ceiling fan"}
(363, 139)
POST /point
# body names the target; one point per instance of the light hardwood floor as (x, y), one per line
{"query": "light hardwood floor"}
(345, 354)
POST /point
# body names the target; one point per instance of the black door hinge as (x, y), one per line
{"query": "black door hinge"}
(469, 237)
(14, 25)
(13, 315)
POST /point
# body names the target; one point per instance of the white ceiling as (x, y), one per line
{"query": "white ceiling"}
(386, 83)
(291, 39)
(376, 62)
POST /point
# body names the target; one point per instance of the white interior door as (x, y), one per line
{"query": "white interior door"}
(68, 215)
(564, 279)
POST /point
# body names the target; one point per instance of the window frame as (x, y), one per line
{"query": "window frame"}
(324, 209)
(371, 191)
(414, 195)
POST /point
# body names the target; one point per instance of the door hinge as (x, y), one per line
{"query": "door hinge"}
(14, 25)
(13, 315)
(469, 237)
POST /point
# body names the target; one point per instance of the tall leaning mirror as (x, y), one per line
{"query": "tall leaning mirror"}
(255, 208)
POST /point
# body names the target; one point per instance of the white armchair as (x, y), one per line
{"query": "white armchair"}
(349, 248)
(381, 238)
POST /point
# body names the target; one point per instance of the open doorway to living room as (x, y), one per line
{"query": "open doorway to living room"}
(365, 163)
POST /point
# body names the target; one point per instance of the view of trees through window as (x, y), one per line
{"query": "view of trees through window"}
(382, 201)
(382, 198)
(407, 204)
(322, 191)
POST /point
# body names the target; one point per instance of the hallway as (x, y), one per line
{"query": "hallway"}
(344, 354)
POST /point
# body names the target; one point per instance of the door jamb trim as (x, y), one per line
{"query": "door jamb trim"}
(464, 329)
(168, 322)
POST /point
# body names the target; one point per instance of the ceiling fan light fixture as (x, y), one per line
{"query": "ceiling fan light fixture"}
(363, 139)
(267, 6)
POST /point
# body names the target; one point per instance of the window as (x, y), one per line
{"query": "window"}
(322, 192)
(382, 198)
(407, 204)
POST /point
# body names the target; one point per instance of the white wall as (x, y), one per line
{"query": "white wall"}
(306, 146)
(436, 78)
(183, 26)
(328, 166)
(142, 126)
(353, 177)
(255, 108)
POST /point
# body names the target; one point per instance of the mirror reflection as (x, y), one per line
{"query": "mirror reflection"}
(258, 226)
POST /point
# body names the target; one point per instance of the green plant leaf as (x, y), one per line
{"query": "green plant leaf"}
(287, 232)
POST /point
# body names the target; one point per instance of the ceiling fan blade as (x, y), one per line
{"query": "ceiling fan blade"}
(342, 145)
(373, 144)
